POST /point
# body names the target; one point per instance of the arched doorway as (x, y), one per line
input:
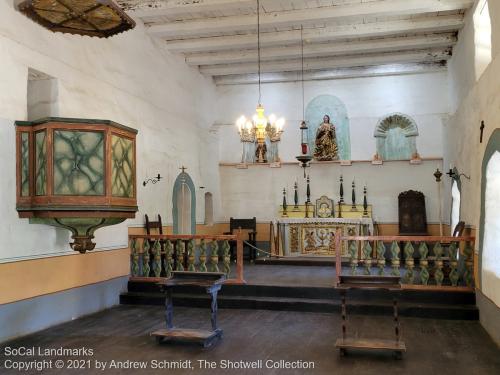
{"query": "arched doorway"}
(184, 205)
(489, 231)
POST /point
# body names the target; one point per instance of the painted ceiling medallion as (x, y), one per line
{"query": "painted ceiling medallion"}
(100, 18)
(76, 174)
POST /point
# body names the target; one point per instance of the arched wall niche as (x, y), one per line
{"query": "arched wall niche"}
(396, 137)
(489, 222)
(184, 205)
(332, 106)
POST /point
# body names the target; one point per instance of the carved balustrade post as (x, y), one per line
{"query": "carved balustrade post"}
(203, 256)
(438, 263)
(156, 258)
(453, 255)
(380, 257)
(214, 256)
(190, 253)
(169, 258)
(469, 264)
(424, 263)
(367, 257)
(226, 257)
(180, 247)
(409, 262)
(145, 258)
(134, 258)
(395, 259)
(353, 252)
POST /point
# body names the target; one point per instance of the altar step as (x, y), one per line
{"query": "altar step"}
(428, 304)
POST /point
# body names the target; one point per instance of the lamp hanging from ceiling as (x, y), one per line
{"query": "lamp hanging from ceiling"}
(260, 127)
(100, 18)
(305, 157)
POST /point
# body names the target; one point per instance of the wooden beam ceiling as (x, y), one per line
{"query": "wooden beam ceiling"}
(220, 37)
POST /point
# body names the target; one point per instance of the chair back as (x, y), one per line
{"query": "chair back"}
(250, 224)
(459, 229)
(153, 225)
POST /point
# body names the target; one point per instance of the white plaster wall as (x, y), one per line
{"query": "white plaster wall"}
(257, 190)
(475, 101)
(421, 96)
(128, 78)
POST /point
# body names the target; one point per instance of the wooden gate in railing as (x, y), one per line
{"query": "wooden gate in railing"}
(421, 261)
(156, 256)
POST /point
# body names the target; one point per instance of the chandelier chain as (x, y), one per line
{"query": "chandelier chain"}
(258, 47)
(302, 67)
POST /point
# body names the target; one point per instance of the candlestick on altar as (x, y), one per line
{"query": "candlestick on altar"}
(365, 203)
(308, 191)
(353, 208)
(284, 203)
(341, 189)
(296, 197)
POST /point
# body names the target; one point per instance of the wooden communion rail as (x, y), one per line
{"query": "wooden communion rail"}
(156, 256)
(426, 262)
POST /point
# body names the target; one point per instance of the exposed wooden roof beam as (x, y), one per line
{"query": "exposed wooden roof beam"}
(324, 49)
(360, 30)
(339, 73)
(158, 8)
(211, 26)
(328, 62)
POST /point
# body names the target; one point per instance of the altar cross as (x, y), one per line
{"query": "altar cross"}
(183, 169)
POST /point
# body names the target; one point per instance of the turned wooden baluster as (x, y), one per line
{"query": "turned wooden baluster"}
(156, 258)
(214, 256)
(353, 252)
(226, 256)
(135, 258)
(380, 257)
(169, 258)
(424, 263)
(469, 264)
(395, 259)
(453, 255)
(438, 263)
(367, 257)
(409, 262)
(180, 247)
(190, 253)
(203, 256)
(145, 258)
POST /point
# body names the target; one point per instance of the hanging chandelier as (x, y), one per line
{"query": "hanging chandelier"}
(305, 156)
(259, 127)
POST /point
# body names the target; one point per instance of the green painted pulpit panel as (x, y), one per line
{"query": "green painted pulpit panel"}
(25, 166)
(40, 163)
(122, 167)
(78, 162)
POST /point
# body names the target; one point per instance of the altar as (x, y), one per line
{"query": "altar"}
(316, 236)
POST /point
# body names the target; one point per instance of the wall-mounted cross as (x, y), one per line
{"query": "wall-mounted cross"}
(481, 128)
(183, 169)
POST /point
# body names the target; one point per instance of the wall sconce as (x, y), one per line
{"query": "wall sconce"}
(152, 180)
(453, 173)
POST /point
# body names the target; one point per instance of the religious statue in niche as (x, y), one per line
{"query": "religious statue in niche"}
(326, 141)
(261, 152)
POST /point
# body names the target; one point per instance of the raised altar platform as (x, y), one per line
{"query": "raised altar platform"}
(316, 236)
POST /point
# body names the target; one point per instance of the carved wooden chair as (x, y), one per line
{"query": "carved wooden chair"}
(249, 225)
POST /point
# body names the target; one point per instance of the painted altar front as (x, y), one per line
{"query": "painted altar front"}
(316, 236)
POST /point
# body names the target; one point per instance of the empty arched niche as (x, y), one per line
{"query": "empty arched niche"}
(209, 209)
(332, 106)
(396, 136)
(489, 230)
(184, 205)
